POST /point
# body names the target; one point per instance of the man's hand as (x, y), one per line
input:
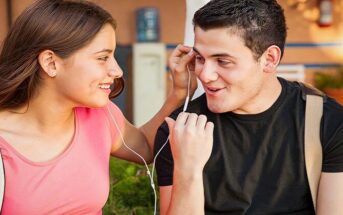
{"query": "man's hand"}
(191, 141)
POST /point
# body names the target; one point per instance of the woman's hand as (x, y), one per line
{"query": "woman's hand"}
(191, 141)
(180, 61)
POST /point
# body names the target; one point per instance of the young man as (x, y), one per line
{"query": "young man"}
(257, 162)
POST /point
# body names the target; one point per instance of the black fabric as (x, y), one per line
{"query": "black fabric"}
(257, 163)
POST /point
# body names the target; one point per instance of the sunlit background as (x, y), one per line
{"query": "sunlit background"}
(314, 44)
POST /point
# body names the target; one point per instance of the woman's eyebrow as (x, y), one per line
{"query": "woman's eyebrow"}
(104, 50)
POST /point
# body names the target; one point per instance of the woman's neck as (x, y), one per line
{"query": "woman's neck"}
(42, 115)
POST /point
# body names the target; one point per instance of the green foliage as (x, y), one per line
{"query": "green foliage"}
(130, 191)
(323, 80)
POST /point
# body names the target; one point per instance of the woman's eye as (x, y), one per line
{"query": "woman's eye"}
(103, 58)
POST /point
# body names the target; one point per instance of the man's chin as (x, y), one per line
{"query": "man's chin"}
(216, 108)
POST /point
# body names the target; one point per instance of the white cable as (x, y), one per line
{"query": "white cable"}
(184, 109)
(188, 90)
(145, 164)
(151, 176)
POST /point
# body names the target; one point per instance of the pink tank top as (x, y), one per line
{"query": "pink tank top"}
(75, 182)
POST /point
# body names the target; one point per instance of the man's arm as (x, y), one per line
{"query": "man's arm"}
(191, 139)
(186, 196)
(330, 194)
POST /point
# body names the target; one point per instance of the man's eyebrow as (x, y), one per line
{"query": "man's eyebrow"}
(222, 55)
(104, 50)
(196, 50)
(215, 55)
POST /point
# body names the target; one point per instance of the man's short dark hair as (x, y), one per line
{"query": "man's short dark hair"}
(261, 23)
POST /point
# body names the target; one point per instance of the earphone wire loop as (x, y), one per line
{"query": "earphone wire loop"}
(151, 176)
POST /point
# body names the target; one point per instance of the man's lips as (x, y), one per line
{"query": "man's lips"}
(213, 89)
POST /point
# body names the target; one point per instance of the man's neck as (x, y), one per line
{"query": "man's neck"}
(264, 99)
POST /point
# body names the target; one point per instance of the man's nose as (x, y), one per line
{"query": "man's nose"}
(208, 73)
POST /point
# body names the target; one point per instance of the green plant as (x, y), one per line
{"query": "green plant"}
(324, 80)
(130, 190)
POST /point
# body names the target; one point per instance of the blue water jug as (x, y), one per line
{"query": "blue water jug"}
(147, 25)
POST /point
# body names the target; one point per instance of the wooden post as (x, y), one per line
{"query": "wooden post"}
(9, 13)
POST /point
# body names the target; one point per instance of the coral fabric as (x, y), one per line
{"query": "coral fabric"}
(74, 182)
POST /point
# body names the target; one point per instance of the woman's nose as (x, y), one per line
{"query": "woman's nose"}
(115, 70)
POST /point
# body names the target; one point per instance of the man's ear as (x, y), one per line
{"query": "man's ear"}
(272, 58)
(47, 60)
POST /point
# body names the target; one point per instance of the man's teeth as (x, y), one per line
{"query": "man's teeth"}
(104, 86)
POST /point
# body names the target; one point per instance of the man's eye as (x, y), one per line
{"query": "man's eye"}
(199, 58)
(223, 62)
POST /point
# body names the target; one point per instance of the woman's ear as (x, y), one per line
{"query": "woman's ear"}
(272, 58)
(47, 60)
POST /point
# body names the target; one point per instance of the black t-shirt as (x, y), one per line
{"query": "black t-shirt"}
(257, 163)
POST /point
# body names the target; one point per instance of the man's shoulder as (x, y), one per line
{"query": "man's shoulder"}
(300, 88)
(329, 103)
(304, 89)
(307, 89)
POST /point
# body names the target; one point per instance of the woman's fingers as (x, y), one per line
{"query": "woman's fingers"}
(180, 50)
(181, 55)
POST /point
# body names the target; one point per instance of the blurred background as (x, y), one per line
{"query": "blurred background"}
(148, 31)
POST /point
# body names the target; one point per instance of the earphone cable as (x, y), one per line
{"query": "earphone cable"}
(151, 176)
(184, 109)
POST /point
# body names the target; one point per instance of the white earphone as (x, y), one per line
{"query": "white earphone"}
(151, 176)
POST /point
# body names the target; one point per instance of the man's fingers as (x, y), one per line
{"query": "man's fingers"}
(192, 120)
(181, 119)
(201, 122)
(171, 123)
(209, 128)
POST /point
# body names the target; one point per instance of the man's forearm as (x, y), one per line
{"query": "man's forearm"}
(187, 194)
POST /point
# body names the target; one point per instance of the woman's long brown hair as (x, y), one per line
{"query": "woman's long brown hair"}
(62, 26)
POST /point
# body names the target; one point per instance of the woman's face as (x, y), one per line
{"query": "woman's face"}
(85, 77)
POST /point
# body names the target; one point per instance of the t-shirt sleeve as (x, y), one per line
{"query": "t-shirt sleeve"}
(332, 137)
(116, 122)
(164, 160)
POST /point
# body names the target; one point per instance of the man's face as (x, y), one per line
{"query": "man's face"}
(231, 76)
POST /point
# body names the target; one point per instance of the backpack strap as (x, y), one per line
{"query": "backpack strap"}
(2, 181)
(307, 89)
(312, 145)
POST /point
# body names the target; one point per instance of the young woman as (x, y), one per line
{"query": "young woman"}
(58, 127)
